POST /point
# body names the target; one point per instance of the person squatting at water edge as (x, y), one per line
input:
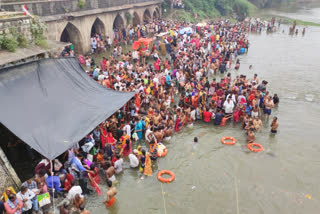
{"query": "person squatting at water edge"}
(177, 89)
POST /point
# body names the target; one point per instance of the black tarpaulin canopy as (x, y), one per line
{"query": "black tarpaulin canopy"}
(51, 104)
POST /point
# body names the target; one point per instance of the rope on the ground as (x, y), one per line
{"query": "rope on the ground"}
(236, 190)
(162, 193)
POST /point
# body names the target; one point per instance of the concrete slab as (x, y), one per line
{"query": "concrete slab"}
(31, 51)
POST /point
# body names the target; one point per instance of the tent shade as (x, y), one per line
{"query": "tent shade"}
(51, 104)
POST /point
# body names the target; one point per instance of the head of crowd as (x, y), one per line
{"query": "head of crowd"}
(179, 78)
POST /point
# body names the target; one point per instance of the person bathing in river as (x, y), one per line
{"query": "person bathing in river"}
(268, 103)
(257, 123)
(275, 99)
(251, 136)
(274, 125)
(112, 192)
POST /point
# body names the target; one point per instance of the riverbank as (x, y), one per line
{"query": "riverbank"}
(183, 15)
(287, 20)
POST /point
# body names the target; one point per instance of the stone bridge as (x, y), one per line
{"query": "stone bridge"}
(69, 23)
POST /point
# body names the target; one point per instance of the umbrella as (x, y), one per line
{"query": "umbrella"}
(201, 24)
(187, 30)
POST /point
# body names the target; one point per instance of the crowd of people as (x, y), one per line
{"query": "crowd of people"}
(187, 77)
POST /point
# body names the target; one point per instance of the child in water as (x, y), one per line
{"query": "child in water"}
(195, 140)
(194, 144)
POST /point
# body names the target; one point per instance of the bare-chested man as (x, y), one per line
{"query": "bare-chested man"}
(156, 118)
(255, 111)
(64, 209)
(251, 136)
(257, 123)
(112, 191)
(268, 105)
(158, 134)
(77, 202)
(82, 210)
(110, 171)
(274, 125)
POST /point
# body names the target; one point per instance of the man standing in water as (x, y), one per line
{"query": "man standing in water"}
(274, 125)
(112, 191)
(268, 103)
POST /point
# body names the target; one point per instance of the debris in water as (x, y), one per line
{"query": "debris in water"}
(308, 196)
(193, 187)
(201, 134)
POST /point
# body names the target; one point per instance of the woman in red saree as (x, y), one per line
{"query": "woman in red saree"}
(156, 65)
(110, 139)
(67, 182)
(103, 135)
(94, 178)
(177, 127)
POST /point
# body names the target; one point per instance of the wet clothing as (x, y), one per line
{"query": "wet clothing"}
(111, 202)
(218, 118)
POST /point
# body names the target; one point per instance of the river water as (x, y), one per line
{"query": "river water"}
(215, 178)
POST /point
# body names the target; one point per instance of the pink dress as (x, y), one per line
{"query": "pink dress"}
(126, 151)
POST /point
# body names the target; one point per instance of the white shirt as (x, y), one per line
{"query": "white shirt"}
(130, 67)
(233, 98)
(101, 77)
(73, 191)
(27, 195)
(193, 114)
(198, 74)
(134, 162)
(156, 81)
(118, 165)
(135, 55)
(127, 128)
(88, 63)
(228, 107)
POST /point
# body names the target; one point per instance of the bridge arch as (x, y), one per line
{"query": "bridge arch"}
(72, 34)
(158, 12)
(147, 16)
(118, 23)
(136, 19)
(98, 27)
(155, 14)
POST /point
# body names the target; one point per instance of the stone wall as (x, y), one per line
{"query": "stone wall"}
(8, 176)
(49, 8)
(21, 23)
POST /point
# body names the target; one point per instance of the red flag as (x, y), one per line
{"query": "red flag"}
(26, 11)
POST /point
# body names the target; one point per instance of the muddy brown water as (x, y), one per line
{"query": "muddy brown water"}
(216, 178)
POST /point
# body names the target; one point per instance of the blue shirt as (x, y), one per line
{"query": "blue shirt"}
(54, 182)
(248, 110)
(31, 186)
(94, 45)
(218, 118)
(95, 73)
(78, 164)
(168, 79)
(96, 133)
(139, 127)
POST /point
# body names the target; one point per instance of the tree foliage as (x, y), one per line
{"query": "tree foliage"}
(214, 8)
